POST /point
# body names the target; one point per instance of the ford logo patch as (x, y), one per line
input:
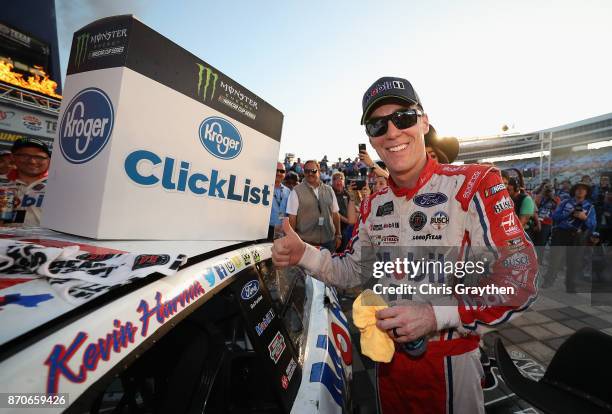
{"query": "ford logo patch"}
(86, 125)
(249, 290)
(430, 199)
(220, 138)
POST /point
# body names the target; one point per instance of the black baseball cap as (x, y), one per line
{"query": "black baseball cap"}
(388, 89)
(30, 142)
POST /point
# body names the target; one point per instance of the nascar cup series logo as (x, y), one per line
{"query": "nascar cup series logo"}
(220, 138)
(86, 126)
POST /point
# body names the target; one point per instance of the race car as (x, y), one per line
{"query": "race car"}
(225, 331)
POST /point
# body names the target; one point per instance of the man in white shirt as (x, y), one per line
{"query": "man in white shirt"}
(313, 210)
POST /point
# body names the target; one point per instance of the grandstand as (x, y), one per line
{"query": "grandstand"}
(564, 152)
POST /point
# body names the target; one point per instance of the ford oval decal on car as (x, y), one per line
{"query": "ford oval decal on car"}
(249, 290)
(86, 125)
(220, 137)
(430, 199)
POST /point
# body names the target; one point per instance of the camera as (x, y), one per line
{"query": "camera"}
(359, 184)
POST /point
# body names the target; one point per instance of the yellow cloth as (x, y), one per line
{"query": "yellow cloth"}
(375, 343)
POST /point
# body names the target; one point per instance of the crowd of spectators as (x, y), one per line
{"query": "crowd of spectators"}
(569, 166)
(349, 182)
(569, 222)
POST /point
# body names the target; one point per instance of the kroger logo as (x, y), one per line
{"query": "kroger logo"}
(249, 290)
(86, 126)
(220, 138)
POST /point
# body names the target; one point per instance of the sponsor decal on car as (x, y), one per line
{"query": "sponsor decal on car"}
(290, 369)
(250, 289)
(27, 301)
(163, 310)
(229, 265)
(209, 276)
(256, 302)
(430, 199)
(256, 256)
(148, 260)
(276, 347)
(237, 261)
(119, 337)
(261, 326)
(246, 258)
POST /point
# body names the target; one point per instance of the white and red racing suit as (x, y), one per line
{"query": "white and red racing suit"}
(465, 206)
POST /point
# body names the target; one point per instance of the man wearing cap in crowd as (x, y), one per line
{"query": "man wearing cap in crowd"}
(573, 220)
(446, 378)
(444, 150)
(27, 181)
(291, 179)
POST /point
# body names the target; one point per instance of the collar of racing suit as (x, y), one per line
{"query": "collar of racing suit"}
(426, 174)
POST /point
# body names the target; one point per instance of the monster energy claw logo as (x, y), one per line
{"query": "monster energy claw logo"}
(81, 49)
(209, 75)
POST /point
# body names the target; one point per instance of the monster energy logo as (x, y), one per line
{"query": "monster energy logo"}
(81, 49)
(209, 75)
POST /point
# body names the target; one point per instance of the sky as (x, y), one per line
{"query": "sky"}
(476, 64)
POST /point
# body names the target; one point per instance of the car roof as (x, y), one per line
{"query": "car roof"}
(28, 301)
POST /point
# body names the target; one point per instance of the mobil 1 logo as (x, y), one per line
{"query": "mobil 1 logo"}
(86, 125)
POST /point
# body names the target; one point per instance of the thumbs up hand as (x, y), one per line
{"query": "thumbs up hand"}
(288, 250)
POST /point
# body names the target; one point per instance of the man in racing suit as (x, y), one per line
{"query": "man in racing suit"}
(427, 204)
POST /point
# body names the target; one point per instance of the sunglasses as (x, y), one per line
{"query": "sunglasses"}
(310, 171)
(402, 119)
(280, 171)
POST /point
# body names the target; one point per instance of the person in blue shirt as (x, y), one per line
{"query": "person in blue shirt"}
(279, 200)
(564, 192)
(574, 219)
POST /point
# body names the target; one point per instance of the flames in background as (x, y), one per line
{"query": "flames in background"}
(38, 83)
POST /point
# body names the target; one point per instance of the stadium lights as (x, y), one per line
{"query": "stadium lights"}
(598, 145)
(517, 157)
